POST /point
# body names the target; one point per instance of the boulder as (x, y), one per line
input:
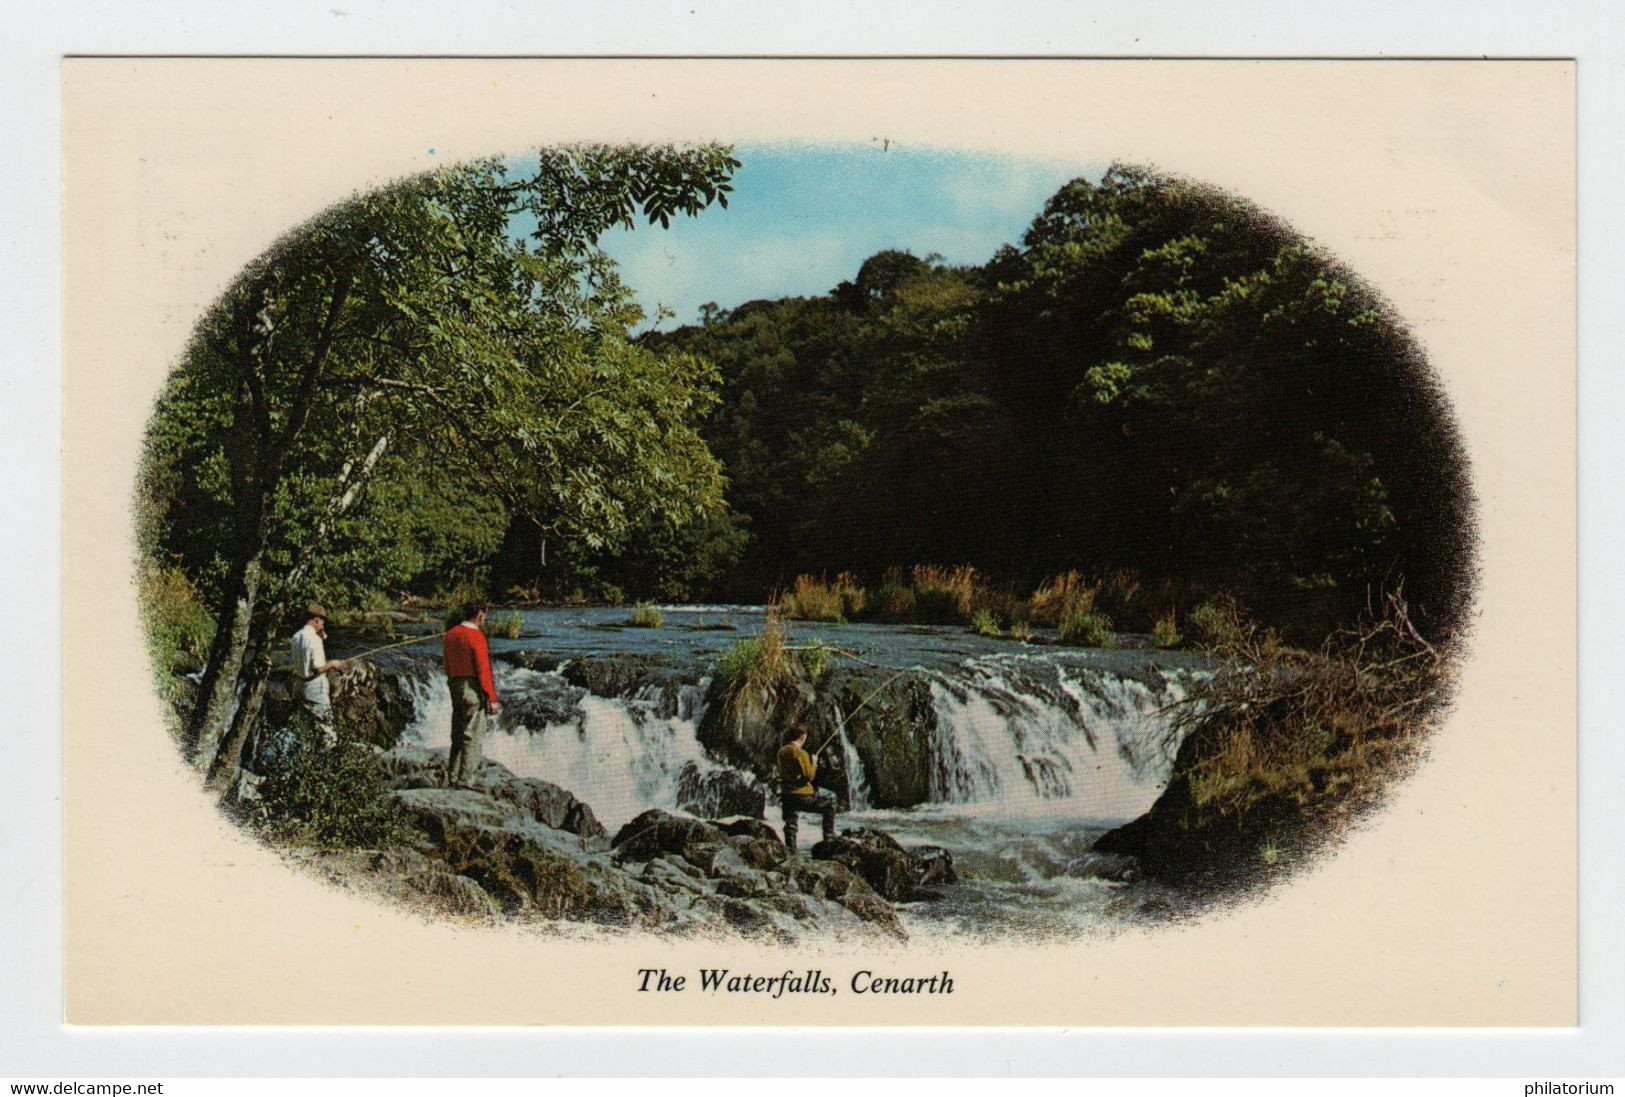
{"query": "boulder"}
(622, 675)
(932, 865)
(720, 792)
(745, 827)
(542, 801)
(656, 832)
(760, 853)
(891, 732)
(881, 863)
(898, 874)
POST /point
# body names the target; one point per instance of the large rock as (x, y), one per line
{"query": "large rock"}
(898, 874)
(890, 723)
(874, 856)
(543, 801)
(455, 894)
(656, 833)
(623, 675)
(720, 792)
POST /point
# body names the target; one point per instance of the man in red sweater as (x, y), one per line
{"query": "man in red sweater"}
(473, 694)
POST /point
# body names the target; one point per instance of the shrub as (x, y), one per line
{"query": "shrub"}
(1218, 623)
(892, 603)
(326, 798)
(943, 596)
(982, 623)
(812, 600)
(1118, 595)
(645, 615)
(178, 623)
(506, 623)
(754, 666)
(1280, 723)
(1165, 631)
(1060, 597)
(1088, 629)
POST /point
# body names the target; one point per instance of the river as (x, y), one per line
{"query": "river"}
(1035, 750)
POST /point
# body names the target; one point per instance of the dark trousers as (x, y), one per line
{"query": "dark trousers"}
(793, 805)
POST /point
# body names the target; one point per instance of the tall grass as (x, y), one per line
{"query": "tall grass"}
(504, 623)
(1068, 595)
(645, 615)
(942, 595)
(818, 599)
(755, 666)
(1087, 628)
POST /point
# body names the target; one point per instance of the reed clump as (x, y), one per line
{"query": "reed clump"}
(507, 623)
(645, 615)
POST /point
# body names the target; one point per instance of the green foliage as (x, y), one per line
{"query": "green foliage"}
(1086, 628)
(1218, 624)
(178, 624)
(378, 395)
(983, 623)
(645, 615)
(815, 658)
(1165, 631)
(1158, 378)
(327, 797)
(504, 623)
(755, 667)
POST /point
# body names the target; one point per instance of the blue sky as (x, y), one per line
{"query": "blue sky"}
(802, 219)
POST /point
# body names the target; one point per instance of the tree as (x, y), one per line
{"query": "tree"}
(461, 330)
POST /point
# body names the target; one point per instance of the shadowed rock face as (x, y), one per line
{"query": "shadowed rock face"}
(888, 719)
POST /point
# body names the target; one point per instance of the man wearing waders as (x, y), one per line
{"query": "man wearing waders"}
(796, 792)
(473, 694)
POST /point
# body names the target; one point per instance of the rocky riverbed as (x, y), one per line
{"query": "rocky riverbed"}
(525, 850)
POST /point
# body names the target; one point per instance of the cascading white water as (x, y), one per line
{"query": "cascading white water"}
(1018, 735)
(621, 755)
(1041, 737)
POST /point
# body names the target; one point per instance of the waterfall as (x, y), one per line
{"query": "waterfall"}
(621, 755)
(1021, 734)
(1035, 736)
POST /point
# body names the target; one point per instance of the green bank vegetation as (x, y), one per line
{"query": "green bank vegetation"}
(1281, 731)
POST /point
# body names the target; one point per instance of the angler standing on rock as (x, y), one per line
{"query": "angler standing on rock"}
(311, 665)
(796, 795)
(473, 693)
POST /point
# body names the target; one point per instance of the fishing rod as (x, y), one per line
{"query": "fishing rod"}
(389, 647)
(840, 723)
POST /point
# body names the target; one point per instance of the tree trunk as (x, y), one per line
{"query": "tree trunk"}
(256, 679)
(218, 689)
(222, 768)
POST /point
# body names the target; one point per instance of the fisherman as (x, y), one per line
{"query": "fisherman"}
(796, 792)
(310, 664)
(473, 693)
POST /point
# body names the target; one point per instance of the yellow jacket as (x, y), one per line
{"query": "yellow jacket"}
(796, 771)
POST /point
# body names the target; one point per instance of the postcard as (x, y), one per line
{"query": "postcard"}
(819, 542)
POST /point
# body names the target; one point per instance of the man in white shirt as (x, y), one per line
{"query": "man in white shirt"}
(311, 666)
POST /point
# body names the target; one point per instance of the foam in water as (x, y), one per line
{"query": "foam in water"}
(621, 755)
(1051, 738)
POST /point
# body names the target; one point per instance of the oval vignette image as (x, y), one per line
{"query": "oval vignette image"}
(854, 542)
